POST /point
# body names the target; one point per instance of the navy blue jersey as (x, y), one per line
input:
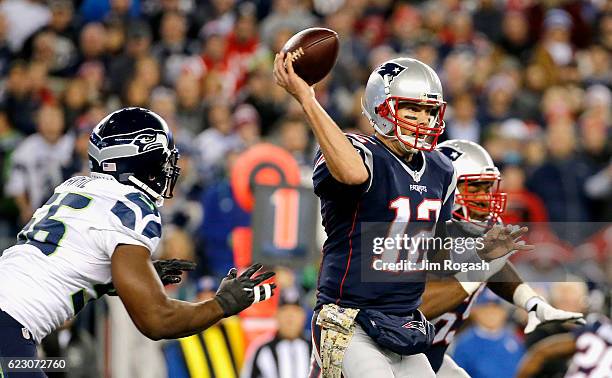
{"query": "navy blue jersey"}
(417, 194)
(593, 357)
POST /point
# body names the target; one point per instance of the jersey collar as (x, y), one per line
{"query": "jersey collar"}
(159, 200)
(415, 174)
(102, 176)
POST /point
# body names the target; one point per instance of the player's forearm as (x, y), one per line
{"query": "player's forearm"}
(505, 282)
(176, 319)
(155, 314)
(342, 160)
(441, 296)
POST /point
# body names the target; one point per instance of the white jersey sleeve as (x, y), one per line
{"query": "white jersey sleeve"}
(133, 219)
(119, 214)
(63, 255)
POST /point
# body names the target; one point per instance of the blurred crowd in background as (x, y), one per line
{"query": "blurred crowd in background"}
(529, 80)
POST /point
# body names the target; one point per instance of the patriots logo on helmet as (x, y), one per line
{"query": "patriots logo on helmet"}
(390, 69)
(450, 152)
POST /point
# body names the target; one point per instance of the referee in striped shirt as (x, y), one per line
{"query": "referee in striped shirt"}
(287, 353)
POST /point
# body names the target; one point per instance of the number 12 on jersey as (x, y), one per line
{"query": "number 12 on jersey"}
(403, 214)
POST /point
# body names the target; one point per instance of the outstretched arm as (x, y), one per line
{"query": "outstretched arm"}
(159, 317)
(344, 162)
(444, 294)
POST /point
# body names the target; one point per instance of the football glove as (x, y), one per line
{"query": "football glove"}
(543, 312)
(237, 293)
(169, 272)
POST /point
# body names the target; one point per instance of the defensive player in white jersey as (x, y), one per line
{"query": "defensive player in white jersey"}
(479, 204)
(100, 230)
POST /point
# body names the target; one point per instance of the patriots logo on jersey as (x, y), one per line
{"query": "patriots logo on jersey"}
(450, 152)
(390, 69)
(418, 188)
(415, 324)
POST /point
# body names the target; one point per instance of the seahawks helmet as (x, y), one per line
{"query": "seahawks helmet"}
(404, 80)
(473, 164)
(135, 146)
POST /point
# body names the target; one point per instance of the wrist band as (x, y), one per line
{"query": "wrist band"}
(470, 287)
(525, 297)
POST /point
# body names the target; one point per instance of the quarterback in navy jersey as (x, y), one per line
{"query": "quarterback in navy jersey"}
(425, 186)
(478, 204)
(393, 177)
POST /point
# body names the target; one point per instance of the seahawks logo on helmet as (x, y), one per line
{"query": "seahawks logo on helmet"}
(450, 152)
(390, 69)
(148, 142)
(127, 144)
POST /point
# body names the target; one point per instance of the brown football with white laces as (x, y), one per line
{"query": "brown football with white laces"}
(315, 51)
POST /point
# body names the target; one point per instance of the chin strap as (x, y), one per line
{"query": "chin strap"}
(411, 150)
(159, 200)
(416, 142)
(404, 147)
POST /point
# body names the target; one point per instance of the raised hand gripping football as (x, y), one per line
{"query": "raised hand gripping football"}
(237, 293)
(285, 76)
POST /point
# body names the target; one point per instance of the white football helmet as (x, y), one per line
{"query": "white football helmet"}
(473, 164)
(404, 80)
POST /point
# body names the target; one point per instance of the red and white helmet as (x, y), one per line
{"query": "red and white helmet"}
(473, 164)
(404, 80)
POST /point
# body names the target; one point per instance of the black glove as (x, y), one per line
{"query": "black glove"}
(169, 271)
(236, 294)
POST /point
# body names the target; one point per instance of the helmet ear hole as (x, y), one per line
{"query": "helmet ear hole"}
(382, 110)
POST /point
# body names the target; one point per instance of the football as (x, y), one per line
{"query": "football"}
(316, 52)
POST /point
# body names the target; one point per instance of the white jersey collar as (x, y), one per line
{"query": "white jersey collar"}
(159, 200)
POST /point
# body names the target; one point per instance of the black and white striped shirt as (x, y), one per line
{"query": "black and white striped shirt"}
(279, 358)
